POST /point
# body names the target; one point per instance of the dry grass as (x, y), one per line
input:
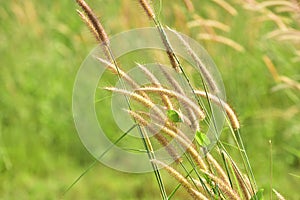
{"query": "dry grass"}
(214, 178)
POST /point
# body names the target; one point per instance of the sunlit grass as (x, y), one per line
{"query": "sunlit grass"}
(42, 45)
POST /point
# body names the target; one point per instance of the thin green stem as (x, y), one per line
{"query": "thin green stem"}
(101, 156)
(227, 169)
(245, 159)
(179, 185)
(271, 169)
(146, 145)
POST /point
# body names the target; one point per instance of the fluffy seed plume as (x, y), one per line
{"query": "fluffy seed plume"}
(165, 99)
(243, 180)
(242, 183)
(93, 21)
(223, 40)
(226, 6)
(180, 138)
(200, 22)
(89, 25)
(167, 125)
(278, 195)
(183, 99)
(158, 136)
(147, 8)
(190, 149)
(203, 186)
(176, 86)
(204, 72)
(189, 5)
(139, 98)
(159, 114)
(224, 187)
(218, 168)
(127, 78)
(229, 111)
(181, 179)
(169, 50)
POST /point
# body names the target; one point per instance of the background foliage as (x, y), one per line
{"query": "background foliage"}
(42, 44)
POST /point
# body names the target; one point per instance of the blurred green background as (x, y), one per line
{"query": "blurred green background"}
(42, 44)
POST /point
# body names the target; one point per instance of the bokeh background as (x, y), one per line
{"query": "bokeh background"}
(42, 44)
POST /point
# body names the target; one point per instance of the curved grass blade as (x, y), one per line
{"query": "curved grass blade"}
(96, 161)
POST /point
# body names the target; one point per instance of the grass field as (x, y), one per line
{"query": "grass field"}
(42, 44)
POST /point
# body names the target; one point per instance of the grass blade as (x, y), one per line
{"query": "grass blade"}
(96, 160)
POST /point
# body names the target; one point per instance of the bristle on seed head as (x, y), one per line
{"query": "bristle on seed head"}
(93, 21)
(146, 6)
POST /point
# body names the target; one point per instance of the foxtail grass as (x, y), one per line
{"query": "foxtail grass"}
(95, 23)
(203, 175)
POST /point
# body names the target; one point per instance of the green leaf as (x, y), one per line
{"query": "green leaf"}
(173, 116)
(202, 139)
(259, 195)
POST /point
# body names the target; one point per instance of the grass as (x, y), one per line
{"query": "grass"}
(40, 52)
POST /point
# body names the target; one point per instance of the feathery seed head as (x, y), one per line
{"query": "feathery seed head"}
(147, 8)
(93, 21)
